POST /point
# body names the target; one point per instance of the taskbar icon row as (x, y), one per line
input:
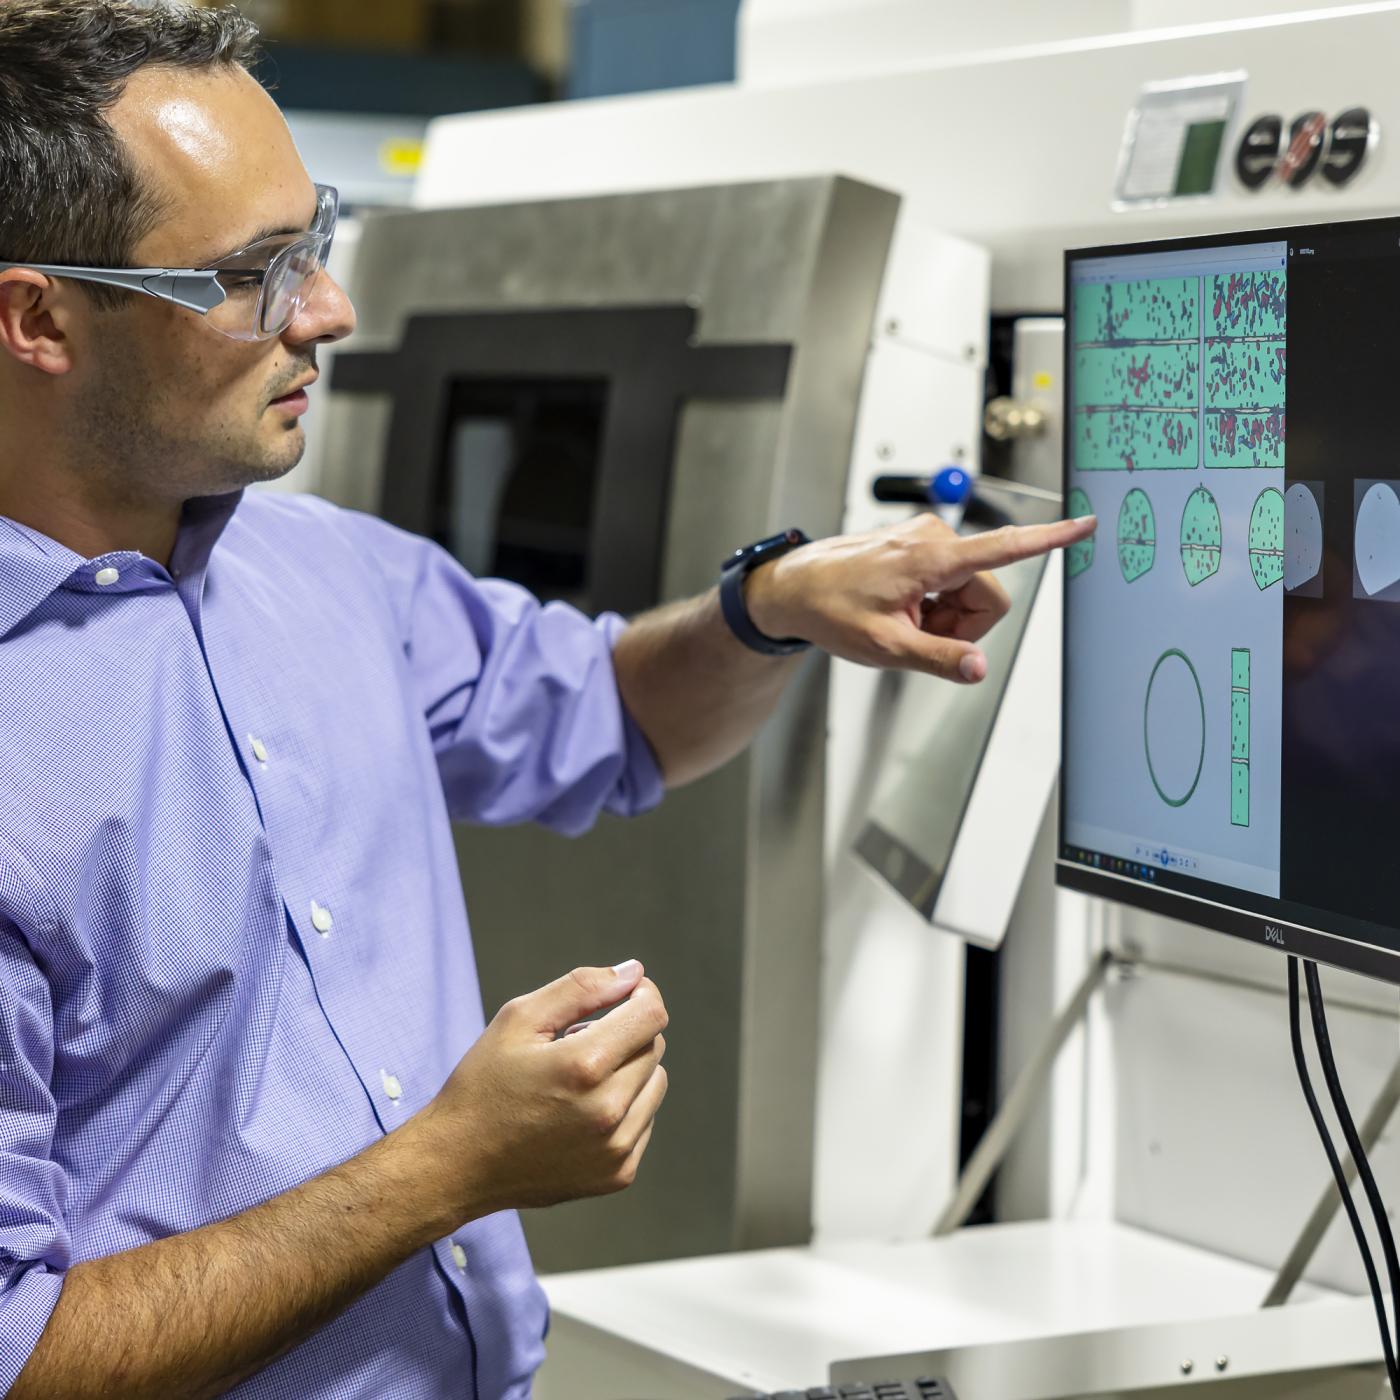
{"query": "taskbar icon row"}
(1113, 865)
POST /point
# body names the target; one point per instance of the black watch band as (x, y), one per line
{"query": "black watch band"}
(734, 571)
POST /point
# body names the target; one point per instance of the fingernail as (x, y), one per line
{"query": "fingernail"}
(973, 666)
(626, 969)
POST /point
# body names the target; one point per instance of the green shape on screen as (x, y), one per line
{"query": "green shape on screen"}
(1239, 737)
(1239, 793)
(1200, 536)
(1137, 535)
(1266, 539)
(1239, 669)
(1081, 555)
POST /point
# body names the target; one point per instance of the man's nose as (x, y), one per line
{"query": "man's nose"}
(327, 316)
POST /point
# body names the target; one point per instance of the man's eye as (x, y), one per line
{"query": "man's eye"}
(235, 282)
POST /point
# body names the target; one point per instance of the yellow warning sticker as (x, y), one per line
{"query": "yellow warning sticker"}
(400, 157)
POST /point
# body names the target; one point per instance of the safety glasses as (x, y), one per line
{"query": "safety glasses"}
(253, 294)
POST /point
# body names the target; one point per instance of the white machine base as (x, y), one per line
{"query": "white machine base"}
(1036, 1311)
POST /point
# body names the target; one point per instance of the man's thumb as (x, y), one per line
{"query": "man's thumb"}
(580, 994)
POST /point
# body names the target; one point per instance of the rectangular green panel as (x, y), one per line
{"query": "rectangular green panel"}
(1157, 308)
(1246, 303)
(1239, 724)
(1200, 154)
(1239, 793)
(1245, 373)
(1235, 439)
(1239, 669)
(1133, 440)
(1138, 376)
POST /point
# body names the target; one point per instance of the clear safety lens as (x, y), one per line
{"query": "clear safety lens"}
(267, 284)
(289, 283)
(237, 314)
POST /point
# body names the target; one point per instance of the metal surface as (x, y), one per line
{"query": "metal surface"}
(652, 366)
(1330, 1202)
(1006, 418)
(1213, 1143)
(1037, 376)
(1021, 1101)
(1317, 1349)
(1027, 134)
(779, 1319)
(720, 892)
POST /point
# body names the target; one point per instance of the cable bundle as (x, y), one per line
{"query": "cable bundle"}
(1358, 1153)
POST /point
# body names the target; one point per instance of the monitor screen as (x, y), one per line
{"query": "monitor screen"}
(1231, 739)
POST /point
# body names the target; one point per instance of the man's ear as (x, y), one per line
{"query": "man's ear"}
(34, 318)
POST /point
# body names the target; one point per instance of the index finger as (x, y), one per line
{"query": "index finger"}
(1009, 545)
(628, 1028)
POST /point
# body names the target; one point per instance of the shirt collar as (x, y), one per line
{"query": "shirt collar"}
(33, 566)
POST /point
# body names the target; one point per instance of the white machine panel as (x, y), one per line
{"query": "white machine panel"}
(1016, 150)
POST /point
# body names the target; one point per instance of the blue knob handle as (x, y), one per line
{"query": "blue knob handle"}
(950, 487)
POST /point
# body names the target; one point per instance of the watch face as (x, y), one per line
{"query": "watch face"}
(774, 547)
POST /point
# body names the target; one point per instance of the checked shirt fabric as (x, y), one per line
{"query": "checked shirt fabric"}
(233, 945)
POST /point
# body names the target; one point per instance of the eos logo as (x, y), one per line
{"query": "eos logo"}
(1273, 934)
(1291, 153)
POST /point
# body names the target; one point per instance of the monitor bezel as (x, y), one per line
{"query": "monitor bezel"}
(1318, 944)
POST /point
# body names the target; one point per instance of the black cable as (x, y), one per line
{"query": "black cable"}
(1354, 1143)
(1304, 1078)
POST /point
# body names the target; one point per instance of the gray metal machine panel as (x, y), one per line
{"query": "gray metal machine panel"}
(1227, 1158)
(719, 891)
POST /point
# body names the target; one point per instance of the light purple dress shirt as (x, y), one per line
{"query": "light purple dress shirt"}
(233, 947)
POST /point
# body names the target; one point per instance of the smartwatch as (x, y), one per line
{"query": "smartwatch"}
(732, 574)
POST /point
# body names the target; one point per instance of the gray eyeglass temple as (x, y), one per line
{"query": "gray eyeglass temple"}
(196, 291)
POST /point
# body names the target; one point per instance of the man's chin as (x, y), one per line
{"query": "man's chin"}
(272, 463)
(283, 455)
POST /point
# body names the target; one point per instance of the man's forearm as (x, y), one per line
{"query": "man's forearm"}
(188, 1317)
(697, 693)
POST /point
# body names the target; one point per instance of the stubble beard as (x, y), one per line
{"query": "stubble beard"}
(128, 441)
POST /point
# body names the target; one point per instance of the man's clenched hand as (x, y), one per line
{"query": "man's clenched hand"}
(531, 1119)
(916, 596)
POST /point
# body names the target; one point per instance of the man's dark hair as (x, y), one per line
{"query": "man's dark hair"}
(69, 191)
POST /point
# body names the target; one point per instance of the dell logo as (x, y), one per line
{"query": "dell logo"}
(1273, 934)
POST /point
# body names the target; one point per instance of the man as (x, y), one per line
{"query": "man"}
(252, 1132)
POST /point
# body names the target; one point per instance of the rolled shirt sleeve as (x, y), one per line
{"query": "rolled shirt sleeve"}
(521, 699)
(34, 1240)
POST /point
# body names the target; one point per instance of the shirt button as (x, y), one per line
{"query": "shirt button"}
(459, 1256)
(392, 1087)
(321, 919)
(105, 577)
(259, 749)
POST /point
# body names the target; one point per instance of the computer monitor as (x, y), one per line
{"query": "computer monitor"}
(1231, 720)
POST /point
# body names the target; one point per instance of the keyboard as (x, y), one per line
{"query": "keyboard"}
(924, 1388)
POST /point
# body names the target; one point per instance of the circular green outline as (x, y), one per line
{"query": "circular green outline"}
(1147, 747)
